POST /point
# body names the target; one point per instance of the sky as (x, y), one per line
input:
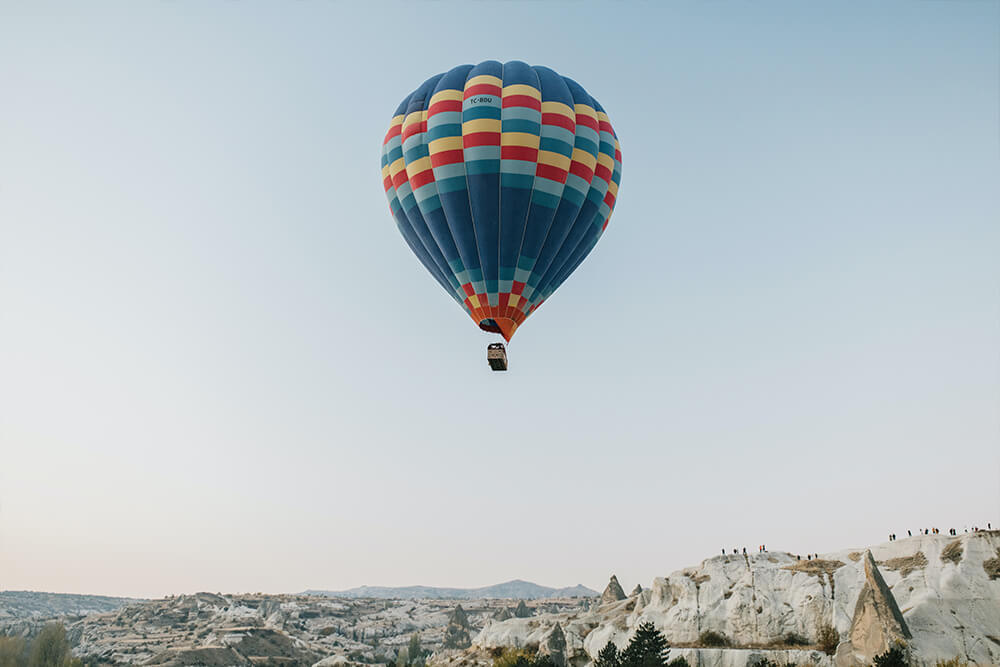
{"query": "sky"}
(222, 369)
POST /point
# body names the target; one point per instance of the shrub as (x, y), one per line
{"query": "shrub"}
(792, 639)
(954, 662)
(13, 652)
(828, 638)
(521, 657)
(712, 638)
(894, 657)
(50, 648)
(678, 662)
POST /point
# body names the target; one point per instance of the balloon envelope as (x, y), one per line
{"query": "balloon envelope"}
(501, 178)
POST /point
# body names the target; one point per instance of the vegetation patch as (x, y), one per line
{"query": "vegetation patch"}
(906, 564)
(854, 556)
(953, 553)
(816, 566)
(954, 662)
(828, 638)
(894, 657)
(711, 638)
(992, 566)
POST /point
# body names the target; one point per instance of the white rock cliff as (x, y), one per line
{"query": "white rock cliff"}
(938, 594)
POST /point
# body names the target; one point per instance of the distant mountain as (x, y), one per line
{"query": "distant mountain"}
(514, 590)
(30, 604)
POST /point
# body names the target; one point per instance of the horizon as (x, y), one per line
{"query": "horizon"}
(596, 591)
(221, 368)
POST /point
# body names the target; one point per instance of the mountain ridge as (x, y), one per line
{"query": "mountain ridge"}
(513, 589)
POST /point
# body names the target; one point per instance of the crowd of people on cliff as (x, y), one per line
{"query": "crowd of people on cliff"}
(936, 531)
(762, 548)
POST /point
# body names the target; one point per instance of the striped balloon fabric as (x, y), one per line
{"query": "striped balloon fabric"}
(501, 177)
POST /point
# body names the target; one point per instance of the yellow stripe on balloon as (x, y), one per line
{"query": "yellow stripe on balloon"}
(445, 95)
(446, 144)
(559, 108)
(481, 125)
(519, 139)
(417, 166)
(486, 79)
(585, 158)
(553, 159)
(522, 89)
(585, 110)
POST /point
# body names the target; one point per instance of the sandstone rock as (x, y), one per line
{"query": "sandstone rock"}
(636, 591)
(613, 591)
(456, 634)
(459, 618)
(522, 610)
(503, 614)
(553, 644)
(877, 624)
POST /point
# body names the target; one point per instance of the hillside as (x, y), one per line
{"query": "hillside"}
(938, 594)
(31, 604)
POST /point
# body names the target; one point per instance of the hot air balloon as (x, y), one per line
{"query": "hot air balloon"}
(501, 178)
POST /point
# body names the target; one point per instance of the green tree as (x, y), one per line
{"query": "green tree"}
(415, 651)
(12, 652)
(403, 657)
(50, 648)
(648, 648)
(609, 656)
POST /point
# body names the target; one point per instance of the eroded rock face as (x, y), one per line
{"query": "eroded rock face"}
(553, 644)
(877, 624)
(612, 592)
(456, 634)
(502, 614)
(522, 610)
(940, 604)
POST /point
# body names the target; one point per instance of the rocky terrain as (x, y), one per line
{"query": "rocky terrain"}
(26, 604)
(938, 594)
(293, 630)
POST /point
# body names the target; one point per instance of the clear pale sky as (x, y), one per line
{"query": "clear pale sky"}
(222, 369)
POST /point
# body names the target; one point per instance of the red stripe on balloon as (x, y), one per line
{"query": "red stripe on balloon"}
(481, 139)
(526, 153)
(522, 101)
(559, 120)
(552, 173)
(442, 158)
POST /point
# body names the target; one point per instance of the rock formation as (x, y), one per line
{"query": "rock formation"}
(934, 592)
(877, 623)
(456, 634)
(522, 610)
(612, 592)
(636, 591)
(553, 645)
(502, 614)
